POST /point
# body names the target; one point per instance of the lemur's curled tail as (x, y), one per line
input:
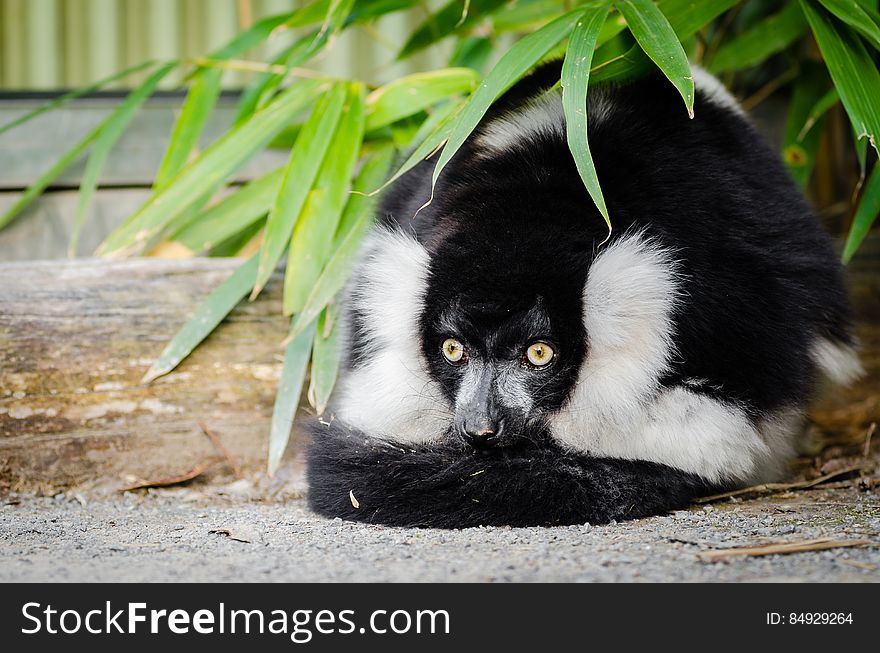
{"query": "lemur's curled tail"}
(446, 484)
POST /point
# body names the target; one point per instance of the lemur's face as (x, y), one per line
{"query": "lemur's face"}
(505, 348)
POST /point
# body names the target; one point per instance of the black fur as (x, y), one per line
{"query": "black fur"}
(517, 230)
(448, 485)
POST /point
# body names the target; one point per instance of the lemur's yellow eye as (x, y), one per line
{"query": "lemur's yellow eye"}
(540, 354)
(453, 350)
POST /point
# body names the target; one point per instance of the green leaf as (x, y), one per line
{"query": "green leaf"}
(471, 52)
(253, 36)
(202, 97)
(260, 92)
(311, 14)
(689, 16)
(35, 189)
(299, 174)
(852, 69)
(194, 114)
(374, 170)
(446, 21)
(413, 93)
(336, 15)
(325, 361)
(823, 104)
(433, 133)
(209, 170)
(357, 218)
(86, 90)
(864, 20)
(366, 10)
(111, 129)
(799, 154)
(42, 182)
(764, 39)
(527, 15)
(313, 233)
(866, 214)
(658, 39)
(207, 316)
(686, 18)
(232, 214)
(575, 81)
(515, 63)
(293, 374)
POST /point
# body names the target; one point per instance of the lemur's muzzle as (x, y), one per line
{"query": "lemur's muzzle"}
(479, 419)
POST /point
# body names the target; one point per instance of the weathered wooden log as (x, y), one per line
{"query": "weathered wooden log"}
(77, 336)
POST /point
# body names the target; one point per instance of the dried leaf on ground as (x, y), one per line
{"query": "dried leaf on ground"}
(179, 479)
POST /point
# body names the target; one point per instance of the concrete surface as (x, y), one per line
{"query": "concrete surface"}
(195, 534)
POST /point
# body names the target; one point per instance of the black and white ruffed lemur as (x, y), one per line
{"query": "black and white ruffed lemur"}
(504, 365)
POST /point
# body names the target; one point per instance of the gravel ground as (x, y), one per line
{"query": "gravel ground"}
(226, 534)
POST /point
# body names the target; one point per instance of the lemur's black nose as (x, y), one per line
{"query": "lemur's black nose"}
(482, 433)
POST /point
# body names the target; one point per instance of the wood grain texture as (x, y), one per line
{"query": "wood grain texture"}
(77, 336)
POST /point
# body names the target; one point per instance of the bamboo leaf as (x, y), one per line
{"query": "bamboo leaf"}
(526, 16)
(209, 170)
(194, 114)
(413, 93)
(685, 16)
(689, 16)
(799, 154)
(658, 39)
(471, 52)
(260, 92)
(864, 20)
(823, 104)
(866, 214)
(42, 182)
(361, 202)
(446, 21)
(232, 214)
(515, 63)
(35, 189)
(325, 361)
(575, 81)
(293, 374)
(72, 95)
(299, 174)
(356, 219)
(253, 36)
(202, 97)
(768, 37)
(110, 131)
(314, 231)
(207, 316)
(853, 71)
(433, 133)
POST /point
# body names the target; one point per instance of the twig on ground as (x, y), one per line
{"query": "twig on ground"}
(779, 548)
(770, 488)
(858, 563)
(867, 451)
(222, 450)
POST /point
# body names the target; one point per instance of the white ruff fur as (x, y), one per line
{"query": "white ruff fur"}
(714, 91)
(539, 116)
(840, 363)
(543, 114)
(392, 395)
(618, 408)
